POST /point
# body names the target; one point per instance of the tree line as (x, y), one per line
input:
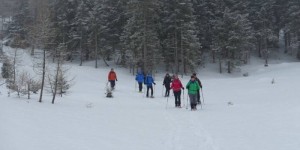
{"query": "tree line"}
(178, 34)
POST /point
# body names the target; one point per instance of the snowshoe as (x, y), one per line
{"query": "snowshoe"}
(109, 95)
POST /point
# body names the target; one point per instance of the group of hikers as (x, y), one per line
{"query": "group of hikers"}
(170, 82)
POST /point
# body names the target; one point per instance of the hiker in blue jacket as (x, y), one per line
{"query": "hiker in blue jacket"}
(140, 79)
(149, 81)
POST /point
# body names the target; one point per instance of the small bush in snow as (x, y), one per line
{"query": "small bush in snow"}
(246, 74)
(23, 85)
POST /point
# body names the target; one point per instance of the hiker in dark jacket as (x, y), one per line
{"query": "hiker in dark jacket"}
(198, 92)
(166, 83)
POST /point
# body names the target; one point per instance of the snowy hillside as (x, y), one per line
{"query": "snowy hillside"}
(240, 113)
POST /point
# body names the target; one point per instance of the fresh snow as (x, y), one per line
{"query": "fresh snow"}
(240, 113)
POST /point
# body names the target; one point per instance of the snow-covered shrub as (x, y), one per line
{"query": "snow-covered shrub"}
(23, 85)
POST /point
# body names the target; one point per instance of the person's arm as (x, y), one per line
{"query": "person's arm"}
(198, 86)
(188, 85)
(181, 86)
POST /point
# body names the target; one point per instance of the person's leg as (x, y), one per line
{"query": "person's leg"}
(191, 101)
(112, 83)
(140, 86)
(168, 90)
(176, 98)
(198, 97)
(151, 87)
(147, 91)
(195, 101)
(166, 93)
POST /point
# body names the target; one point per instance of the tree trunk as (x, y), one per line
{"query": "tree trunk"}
(56, 80)
(181, 51)
(176, 53)
(96, 48)
(32, 50)
(214, 56)
(229, 66)
(43, 76)
(220, 65)
(28, 89)
(81, 51)
(15, 63)
(286, 43)
(259, 48)
(145, 47)
(266, 54)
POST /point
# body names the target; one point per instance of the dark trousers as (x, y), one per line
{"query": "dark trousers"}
(198, 97)
(177, 96)
(112, 83)
(167, 90)
(151, 88)
(193, 100)
(140, 86)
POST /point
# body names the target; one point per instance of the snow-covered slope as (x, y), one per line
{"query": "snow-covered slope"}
(240, 113)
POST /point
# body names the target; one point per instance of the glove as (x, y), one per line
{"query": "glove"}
(154, 83)
(116, 79)
(182, 88)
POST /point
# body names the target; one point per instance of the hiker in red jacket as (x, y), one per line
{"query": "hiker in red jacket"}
(176, 86)
(112, 78)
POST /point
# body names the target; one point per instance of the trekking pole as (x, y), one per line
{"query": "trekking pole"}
(202, 96)
(162, 91)
(154, 90)
(183, 96)
(144, 91)
(167, 102)
(187, 101)
(135, 86)
(200, 103)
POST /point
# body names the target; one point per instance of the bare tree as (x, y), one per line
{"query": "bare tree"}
(58, 81)
(42, 27)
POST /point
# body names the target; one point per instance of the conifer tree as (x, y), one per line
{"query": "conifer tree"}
(140, 35)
